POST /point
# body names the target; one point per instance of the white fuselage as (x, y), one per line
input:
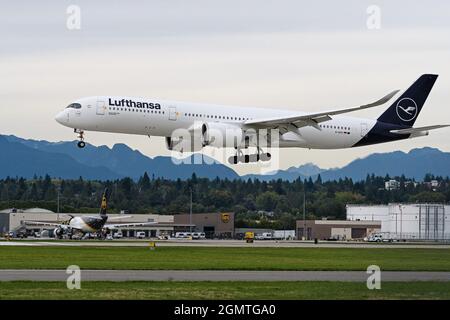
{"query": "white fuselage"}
(81, 224)
(154, 117)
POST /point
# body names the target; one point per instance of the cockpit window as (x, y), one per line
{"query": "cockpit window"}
(74, 106)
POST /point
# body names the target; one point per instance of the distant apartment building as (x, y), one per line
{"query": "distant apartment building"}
(394, 184)
(391, 185)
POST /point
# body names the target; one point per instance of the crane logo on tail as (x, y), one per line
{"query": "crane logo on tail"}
(406, 109)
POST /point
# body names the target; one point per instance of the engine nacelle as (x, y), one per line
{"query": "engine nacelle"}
(183, 143)
(203, 134)
(221, 135)
(58, 232)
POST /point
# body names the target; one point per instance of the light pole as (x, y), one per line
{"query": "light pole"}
(57, 205)
(401, 220)
(304, 211)
(190, 213)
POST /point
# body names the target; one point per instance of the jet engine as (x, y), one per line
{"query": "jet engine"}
(221, 135)
(182, 144)
(203, 134)
(58, 232)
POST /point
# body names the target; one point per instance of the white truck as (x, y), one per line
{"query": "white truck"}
(284, 234)
(140, 234)
(380, 237)
(182, 235)
(198, 235)
(264, 236)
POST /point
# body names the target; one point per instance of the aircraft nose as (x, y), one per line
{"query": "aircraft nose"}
(61, 117)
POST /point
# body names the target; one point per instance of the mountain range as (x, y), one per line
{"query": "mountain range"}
(27, 158)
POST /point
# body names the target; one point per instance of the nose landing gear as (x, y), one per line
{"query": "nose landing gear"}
(81, 144)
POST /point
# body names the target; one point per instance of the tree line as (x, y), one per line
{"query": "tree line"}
(274, 203)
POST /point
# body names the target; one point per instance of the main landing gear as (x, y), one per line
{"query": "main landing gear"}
(249, 158)
(81, 144)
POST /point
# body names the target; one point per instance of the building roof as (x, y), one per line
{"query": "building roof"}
(37, 210)
(342, 222)
(31, 210)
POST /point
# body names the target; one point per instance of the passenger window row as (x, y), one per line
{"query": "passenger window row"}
(334, 127)
(137, 110)
(214, 116)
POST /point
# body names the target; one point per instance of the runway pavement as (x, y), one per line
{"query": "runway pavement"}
(218, 275)
(224, 244)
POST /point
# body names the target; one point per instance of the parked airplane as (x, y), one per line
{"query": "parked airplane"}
(240, 127)
(89, 224)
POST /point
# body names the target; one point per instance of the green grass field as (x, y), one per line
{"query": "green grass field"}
(189, 258)
(224, 290)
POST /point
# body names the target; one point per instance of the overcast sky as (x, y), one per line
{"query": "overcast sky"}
(297, 55)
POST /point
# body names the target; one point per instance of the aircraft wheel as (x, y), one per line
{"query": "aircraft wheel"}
(81, 144)
(233, 160)
(265, 156)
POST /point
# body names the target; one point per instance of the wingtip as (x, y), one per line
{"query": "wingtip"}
(393, 93)
(387, 97)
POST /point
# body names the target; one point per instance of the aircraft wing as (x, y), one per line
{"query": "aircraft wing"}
(419, 129)
(41, 223)
(127, 225)
(119, 218)
(312, 119)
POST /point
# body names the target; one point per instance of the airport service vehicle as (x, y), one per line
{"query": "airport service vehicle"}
(198, 235)
(375, 238)
(249, 237)
(284, 234)
(81, 225)
(190, 126)
(140, 234)
(20, 235)
(264, 236)
(182, 235)
(118, 235)
(381, 237)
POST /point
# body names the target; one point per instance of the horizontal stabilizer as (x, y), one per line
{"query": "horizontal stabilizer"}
(420, 129)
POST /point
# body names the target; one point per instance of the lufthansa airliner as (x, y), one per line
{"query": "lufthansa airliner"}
(192, 126)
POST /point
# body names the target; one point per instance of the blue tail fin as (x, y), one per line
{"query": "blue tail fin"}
(405, 110)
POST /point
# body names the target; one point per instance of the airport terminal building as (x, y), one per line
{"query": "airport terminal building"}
(401, 221)
(335, 229)
(215, 225)
(12, 220)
